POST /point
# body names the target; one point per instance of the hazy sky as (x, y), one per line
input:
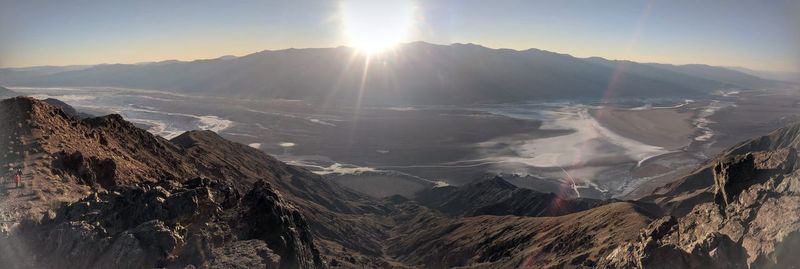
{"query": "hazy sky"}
(754, 34)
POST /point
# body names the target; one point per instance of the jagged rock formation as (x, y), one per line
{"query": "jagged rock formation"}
(168, 224)
(753, 222)
(735, 173)
(496, 196)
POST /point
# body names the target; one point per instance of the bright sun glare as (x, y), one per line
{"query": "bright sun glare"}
(373, 26)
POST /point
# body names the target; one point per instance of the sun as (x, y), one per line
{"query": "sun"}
(373, 26)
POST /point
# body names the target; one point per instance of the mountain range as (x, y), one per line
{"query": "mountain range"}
(101, 193)
(412, 74)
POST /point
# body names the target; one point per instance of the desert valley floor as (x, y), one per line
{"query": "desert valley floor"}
(598, 150)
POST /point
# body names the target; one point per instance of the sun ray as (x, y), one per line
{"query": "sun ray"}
(373, 26)
(363, 84)
(332, 99)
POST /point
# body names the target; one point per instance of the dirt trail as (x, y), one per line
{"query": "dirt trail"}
(39, 190)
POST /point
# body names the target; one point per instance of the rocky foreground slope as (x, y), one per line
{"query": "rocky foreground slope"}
(168, 224)
(101, 193)
(752, 218)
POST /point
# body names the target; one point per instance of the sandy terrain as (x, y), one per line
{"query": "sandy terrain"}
(714, 125)
(382, 185)
(670, 128)
(756, 113)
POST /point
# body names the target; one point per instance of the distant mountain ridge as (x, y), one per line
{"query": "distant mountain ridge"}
(776, 75)
(415, 74)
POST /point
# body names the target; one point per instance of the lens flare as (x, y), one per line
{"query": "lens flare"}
(373, 26)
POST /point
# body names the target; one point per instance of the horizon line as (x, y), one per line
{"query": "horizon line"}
(399, 44)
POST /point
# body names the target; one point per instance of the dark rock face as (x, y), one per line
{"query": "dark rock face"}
(91, 171)
(734, 174)
(201, 223)
(265, 217)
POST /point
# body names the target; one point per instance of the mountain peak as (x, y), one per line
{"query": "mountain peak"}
(194, 137)
(494, 182)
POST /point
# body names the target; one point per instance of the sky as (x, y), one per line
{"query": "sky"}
(763, 35)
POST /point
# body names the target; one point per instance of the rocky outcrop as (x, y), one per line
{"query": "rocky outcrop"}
(201, 222)
(754, 221)
(733, 174)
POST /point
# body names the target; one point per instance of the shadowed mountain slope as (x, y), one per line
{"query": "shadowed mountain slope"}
(575, 240)
(414, 74)
(496, 196)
